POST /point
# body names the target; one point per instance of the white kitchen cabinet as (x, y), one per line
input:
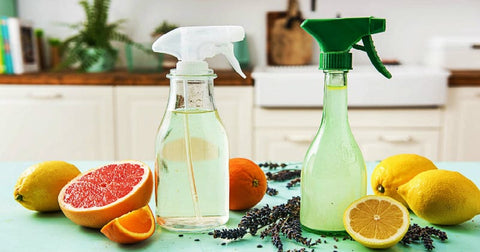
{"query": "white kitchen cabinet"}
(285, 134)
(56, 122)
(462, 124)
(140, 111)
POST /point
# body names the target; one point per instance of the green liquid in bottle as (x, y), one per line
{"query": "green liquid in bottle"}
(333, 172)
(192, 171)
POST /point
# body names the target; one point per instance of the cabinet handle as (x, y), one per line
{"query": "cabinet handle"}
(45, 95)
(396, 139)
(299, 138)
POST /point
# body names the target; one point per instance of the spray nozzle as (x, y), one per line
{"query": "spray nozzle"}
(337, 36)
(191, 45)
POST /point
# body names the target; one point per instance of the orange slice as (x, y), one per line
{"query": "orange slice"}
(132, 227)
(102, 194)
(376, 221)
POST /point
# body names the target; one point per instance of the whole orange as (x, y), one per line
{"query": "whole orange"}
(248, 184)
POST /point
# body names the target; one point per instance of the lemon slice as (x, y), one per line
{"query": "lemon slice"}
(376, 221)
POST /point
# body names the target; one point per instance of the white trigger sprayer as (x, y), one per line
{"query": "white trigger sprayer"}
(191, 45)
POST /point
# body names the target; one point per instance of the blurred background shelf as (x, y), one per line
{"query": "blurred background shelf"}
(116, 78)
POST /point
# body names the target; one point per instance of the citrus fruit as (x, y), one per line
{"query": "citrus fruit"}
(132, 227)
(376, 221)
(395, 171)
(38, 186)
(102, 194)
(248, 183)
(442, 197)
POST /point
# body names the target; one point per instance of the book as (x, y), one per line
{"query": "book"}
(23, 45)
(7, 57)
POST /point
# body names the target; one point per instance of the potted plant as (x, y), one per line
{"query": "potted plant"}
(91, 47)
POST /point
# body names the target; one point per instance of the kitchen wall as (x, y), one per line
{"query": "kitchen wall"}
(410, 23)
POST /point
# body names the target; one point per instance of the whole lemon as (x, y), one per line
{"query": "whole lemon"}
(38, 186)
(397, 170)
(442, 197)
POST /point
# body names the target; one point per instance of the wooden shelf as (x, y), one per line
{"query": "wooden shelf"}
(464, 78)
(116, 78)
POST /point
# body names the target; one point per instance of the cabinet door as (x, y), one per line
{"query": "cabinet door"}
(56, 122)
(235, 107)
(462, 125)
(288, 144)
(283, 144)
(286, 134)
(140, 111)
(377, 144)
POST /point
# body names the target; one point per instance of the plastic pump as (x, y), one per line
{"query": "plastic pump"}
(192, 44)
(336, 37)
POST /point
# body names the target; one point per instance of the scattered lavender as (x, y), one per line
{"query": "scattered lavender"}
(293, 182)
(272, 166)
(416, 234)
(271, 191)
(283, 175)
(277, 222)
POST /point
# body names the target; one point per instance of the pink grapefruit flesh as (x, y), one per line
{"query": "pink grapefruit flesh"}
(102, 194)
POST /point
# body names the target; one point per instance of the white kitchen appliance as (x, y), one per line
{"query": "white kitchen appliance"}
(301, 86)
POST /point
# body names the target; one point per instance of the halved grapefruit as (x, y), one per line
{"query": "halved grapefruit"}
(102, 194)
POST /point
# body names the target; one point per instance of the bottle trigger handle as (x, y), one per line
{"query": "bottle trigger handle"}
(228, 52)
(369, 48)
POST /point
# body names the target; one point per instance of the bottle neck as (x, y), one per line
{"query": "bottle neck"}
(335, 108)
(191, 93)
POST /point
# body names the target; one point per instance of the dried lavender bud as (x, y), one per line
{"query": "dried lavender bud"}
(276, 241)
(297, 250)
(271, 191)
(272, 166)
(293, 182)
(283, 175)
(416, 234)
(292, 230)
(277, 221)
(231, 234)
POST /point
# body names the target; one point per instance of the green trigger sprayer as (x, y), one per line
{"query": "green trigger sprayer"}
(333, 172)
(337, 36)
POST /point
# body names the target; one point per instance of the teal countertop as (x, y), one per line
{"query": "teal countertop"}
(24, 230)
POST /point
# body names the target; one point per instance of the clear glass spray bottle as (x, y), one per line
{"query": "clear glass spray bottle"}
(191, 162)
(191, 158)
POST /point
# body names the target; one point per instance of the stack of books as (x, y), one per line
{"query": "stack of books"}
(18, 47)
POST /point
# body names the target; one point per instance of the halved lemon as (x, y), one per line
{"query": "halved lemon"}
(376, 221)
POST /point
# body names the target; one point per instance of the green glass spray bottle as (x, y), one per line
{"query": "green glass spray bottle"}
(333, 172)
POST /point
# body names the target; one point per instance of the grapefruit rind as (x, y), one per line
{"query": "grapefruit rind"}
(97, 217)
(372, 242)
